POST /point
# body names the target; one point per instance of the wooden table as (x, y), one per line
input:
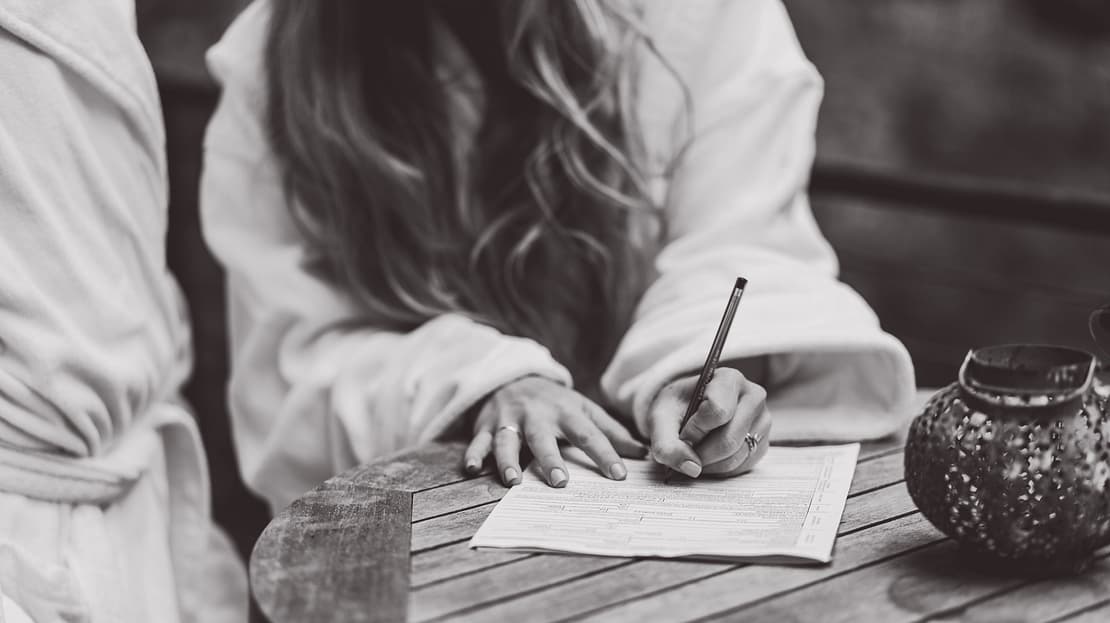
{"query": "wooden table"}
(388, 541)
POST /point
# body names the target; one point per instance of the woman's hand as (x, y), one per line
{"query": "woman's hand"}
(726, 436)
(540, 412)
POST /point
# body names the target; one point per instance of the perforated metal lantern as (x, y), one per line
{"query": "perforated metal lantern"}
(1013, 460)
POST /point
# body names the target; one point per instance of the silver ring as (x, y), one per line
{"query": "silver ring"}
(509, 427)
(752, 441)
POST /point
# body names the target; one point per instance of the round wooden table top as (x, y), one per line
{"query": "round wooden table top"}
(389, 542)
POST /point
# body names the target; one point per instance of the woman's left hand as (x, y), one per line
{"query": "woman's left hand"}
(726, 436)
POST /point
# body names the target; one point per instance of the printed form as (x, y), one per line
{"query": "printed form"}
(786, 510)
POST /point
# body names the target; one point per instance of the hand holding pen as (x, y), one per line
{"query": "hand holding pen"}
(715, 423)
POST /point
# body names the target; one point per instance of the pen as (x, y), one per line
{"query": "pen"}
(714, 352)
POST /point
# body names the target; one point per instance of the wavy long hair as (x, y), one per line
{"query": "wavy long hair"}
(541, 225)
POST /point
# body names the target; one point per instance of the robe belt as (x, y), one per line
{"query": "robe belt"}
(99, 480)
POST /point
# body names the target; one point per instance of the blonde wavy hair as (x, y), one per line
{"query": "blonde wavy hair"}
(544, 229)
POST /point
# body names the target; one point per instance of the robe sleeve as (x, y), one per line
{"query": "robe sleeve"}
(313, 389)
(737, 206)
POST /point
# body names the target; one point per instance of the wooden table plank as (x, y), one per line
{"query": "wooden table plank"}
(508, 581)
(592, 589)
(457, 496)
(447, 529)
(876, 506)
(328, 555)
(746, 584)
(930, 582)
(442, 563)
(1046, 600)
(878, 472)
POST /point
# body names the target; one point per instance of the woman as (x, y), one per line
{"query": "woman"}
(523, 218)
(104, 505)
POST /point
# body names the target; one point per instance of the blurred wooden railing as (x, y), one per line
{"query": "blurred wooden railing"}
(962, 166)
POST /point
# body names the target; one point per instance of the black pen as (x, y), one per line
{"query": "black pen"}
(714, 352)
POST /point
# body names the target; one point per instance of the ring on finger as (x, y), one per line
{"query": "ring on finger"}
(510, 428)
(752, 440)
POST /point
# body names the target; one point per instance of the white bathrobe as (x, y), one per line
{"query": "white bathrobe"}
(314, 391)
(104, 502)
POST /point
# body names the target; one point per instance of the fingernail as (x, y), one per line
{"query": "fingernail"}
(690, 468)
(511, 475)
(643, 450)
(617, 471)
(558, 477)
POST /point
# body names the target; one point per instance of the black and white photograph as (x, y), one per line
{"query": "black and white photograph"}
(345, 311)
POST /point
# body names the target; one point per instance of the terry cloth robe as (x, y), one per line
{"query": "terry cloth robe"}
(104, 501)
(314, 390)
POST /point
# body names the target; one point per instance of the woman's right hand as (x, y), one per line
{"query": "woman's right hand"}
(541, 412)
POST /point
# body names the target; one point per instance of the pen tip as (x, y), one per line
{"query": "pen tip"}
(741, 283)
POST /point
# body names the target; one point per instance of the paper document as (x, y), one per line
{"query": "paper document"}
(787, 509)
